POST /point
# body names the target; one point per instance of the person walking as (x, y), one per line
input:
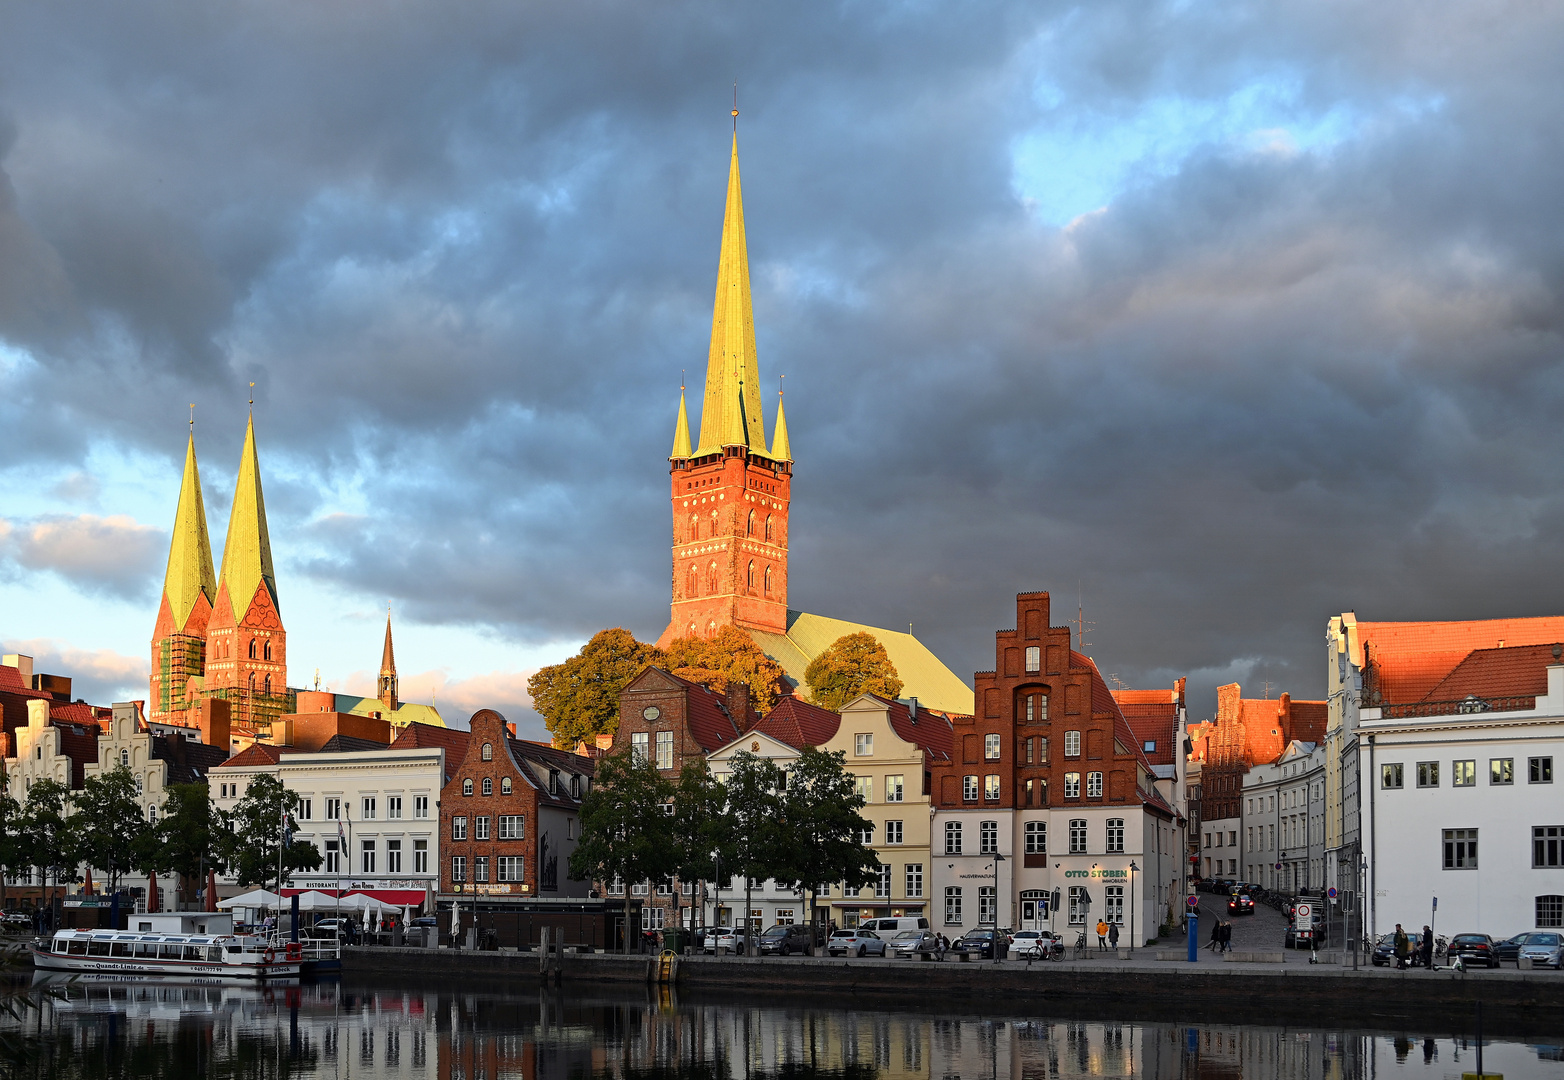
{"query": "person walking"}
(1102, 934)
(1216, 936)
(1403, 948)
(1113, 936)
(1427, 948)
(1227, 937)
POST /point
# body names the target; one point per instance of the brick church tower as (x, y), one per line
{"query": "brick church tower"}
(729, 492)
(189, 590)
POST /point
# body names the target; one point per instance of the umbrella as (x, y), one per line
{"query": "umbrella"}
(255, 898)
(366, 919)
(407, 915)
(456, 921)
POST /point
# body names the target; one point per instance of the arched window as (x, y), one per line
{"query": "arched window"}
(467, 787)
(124, 757)
(488, 751)
(695, 583)
(714, 523)
(711, 628)
(768, 580)
(692, 631)
(252, 648)
(711, 580)
(268, 684)
(768, 526)
(695, 527)
(268, 650)
(749, 528)
(504, 785)
(152, 815)
(488, 786)
(250, 682)
(749, 578)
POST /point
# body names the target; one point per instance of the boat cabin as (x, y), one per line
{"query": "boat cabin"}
(183, 922)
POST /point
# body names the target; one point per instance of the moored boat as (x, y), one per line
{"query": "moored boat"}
(167, 955)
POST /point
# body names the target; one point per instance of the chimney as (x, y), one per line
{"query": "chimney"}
(213, 717)
(912, 709)
(738, 703)
(605, 743)
(56, 686)
(22, 663)
(510, 727)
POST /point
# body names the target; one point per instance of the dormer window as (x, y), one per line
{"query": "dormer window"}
(553, 781)
(575, 787)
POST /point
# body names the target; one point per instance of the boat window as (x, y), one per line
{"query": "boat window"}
(171, 951)
(78, 946)
(61, 945)
(195, 952)
(123, 948)
(234, 948)
(214, 952)
(146, 948)
(99, 947)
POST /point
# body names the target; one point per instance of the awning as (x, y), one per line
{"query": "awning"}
(256, 898)
(395, 897)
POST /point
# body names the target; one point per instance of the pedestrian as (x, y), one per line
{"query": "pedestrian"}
(1113, 936)
(1216, 936)
(1427, 948)
(1403, 948)
(1102, 934)
(1227, 937)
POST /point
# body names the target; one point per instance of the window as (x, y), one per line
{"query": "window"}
(986, 905)
(952, 838)
(1501, 770)
(1026, 751)
(969, 788)
(953, 905)
(367, 806)
(266, 652)
(1460, 849)
(1113, 904)
(509, 868)
(640, 746)
(459, 828)
(1034, 659)
(266, 685)
(895, 789)
(458, 868)
(1036, 708)
(1115, 834)
(252, 648)
(749, 526)
(1072, 785)
(1072, 744)
(1077, 836)
(1094, 785)
(367, 857)
(1042, 751)
(124, 757)
(991, 787)
(768, 526)
(988, 837)
(1150, 746)
(1463, 773)
(914, 879)
(991, 748)
(749, 574)
(767, 585)
(481, 828)
(1539, 770)
(1550, 911)
(1079, 905)
(393, 856)
(480, 869)
(333, 809)
(1390, 776)
(420, 856)
(1547, 845)
(306, 809)
(488, 785)
(511, 827)
(665, 749)
(863, 744)
(420, 806)
(575, 787)
(882, 884)
(333, 858)
(893, 832)
(467, 786)
(1037, 838)
(865, 788)
(1428, 774)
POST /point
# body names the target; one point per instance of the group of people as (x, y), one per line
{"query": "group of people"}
(1407, 953)
(1221, 936)
(1107, 935)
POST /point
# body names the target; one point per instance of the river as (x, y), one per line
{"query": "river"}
(333, 1030)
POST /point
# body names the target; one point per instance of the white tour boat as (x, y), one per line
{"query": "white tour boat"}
(164, 946)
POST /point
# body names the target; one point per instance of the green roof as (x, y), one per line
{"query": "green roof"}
(923, 674)
(407, 712)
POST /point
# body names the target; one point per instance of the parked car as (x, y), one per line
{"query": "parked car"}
(982, 942)
(1023, 940)
(1473, 949)
(725, 937)
(16, 918)
(425, 920)
(1240, 904)
(887, 926)
(1543, 947)
(859, 942)
(1508, 949)
(1385, 952)
(910, 943)
(338, 927)
(783, 940)
(1317, 928)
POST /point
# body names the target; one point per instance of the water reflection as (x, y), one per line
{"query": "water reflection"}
(137, 1030)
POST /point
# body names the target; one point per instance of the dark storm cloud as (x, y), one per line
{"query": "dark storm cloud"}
(465, 252)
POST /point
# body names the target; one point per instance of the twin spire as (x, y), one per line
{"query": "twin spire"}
(731, 412)
(189, 576)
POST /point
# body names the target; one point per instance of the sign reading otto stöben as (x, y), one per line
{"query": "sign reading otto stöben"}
(1098, 872)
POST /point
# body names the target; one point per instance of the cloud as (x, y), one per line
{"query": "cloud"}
(113, 555)
(98, 676)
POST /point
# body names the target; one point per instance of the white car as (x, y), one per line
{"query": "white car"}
(726, 937)
(856, 942)
(1023, 940)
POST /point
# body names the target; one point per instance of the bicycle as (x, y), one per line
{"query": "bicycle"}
(1082, 949)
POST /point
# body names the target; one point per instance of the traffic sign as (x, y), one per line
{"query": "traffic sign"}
(1302, 913)
(1331, 892)
(1194, 902)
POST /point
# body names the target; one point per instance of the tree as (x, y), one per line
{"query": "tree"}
(755, 806)
(11, 845)
(48, 837)
(109, 823)
(701, 826)
(626, 827)
(255, 838)
(184, 843)
(853, 664)
(823, 826)
(579, 699)
(729, 655)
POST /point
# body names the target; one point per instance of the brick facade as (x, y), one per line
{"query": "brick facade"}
(693, 719)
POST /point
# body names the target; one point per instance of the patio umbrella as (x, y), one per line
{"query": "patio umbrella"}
(456, 921)
(87, 888)
(255, 898)
(366, 920)
(152, 892)
(407, 916)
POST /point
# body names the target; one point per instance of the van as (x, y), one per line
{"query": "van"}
(885, 927)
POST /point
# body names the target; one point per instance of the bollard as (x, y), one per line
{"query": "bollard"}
(1194, 937)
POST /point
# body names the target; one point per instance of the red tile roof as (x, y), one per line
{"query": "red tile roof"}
(11, 679)
(79, 742)
(1153, 723)
(256, 755)
(799, 724)
(430, 736)
(710, 724)
(931, 732)
(1411, 658)
(1513, 671)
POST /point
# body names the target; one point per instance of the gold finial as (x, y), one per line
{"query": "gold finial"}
(681, 380)
(192, 418)
(779, 386)
(735, 107)
(252, 397)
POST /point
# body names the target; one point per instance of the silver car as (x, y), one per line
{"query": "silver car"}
(855, 942)
(726, 937)
(1544, 948)
(910, 943)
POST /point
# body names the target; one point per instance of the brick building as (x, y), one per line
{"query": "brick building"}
(672, 720)
(510, 817)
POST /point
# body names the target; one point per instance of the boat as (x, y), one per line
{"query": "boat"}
(143, 954)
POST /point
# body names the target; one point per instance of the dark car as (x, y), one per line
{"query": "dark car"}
(1385, 952)
(425, 920)
(1508, 949)
(982, 943)
(784, 941)
(1316, 931)
(1240, 904)
(1473, 949)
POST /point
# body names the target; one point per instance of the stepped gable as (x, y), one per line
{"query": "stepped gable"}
(79, 742)
(797, 723)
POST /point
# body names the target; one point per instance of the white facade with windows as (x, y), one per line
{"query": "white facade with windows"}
(1283, 813)
(1219, 848)
(1465, 806)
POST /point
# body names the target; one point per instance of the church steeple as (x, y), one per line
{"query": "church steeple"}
(185, 608)
(388, 687)
(247, 549)
(779, 444)
(731, 410)
(681, 432)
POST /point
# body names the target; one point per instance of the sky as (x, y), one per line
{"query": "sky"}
(1215, 319)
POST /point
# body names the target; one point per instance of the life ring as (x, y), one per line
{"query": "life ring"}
(269, 956)
(294, 950)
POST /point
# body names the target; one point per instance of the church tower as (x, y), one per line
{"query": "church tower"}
(189, 590)
(387, 689)
(247, 647)
(729, 492)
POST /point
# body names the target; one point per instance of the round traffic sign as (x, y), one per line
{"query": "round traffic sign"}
(1332, 893)
(1302, 912)
(1194, 902)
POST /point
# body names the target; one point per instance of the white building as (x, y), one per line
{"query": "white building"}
(1284, 821)
(1460, 803)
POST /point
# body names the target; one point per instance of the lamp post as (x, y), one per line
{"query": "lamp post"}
(1133, 869)
(716, 903)
(998, 858)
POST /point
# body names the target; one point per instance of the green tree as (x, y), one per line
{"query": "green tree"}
(11, 845)
(853, 664)
(756, 788)
(184, 841)
(48, 838)
(109, 823)
(626, 829)
(824, 828)
(729, 655)
(579, 699)
(254, 839)
(701, 827)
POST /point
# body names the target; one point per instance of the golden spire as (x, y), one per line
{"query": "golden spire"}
(779, 444)
(247, 550)
(681, 432)
(189, 571)
(387, 656)
(730, 411)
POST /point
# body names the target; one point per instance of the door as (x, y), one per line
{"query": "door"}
(1029, 915)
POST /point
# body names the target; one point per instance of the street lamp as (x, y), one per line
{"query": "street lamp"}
(1133, 869)
(716, 904)
(998, 858)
